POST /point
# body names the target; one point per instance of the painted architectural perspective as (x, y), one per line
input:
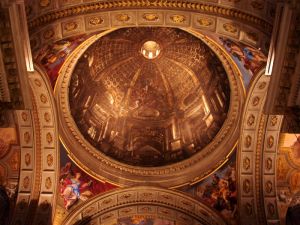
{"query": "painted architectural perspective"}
(149, 112)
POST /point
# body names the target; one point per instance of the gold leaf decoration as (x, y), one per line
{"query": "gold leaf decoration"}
(150, 17)
(96, 20)
(122, 17)
(178, 18)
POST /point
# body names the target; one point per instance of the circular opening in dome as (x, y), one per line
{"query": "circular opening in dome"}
(150, 49)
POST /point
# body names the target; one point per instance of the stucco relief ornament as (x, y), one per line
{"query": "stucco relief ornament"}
(262, 85)
(250, 120)
(70, 26)
(48, 34)
(246, 163)
(150, 17)
(49, 160)
(178, 18)
(270, 141)
(247, 142)
(26, 137)
(24, 116)
(122, 17)
(37, 82)
(206, 22)
(27, 159)
(26, 182)
(230, 27)
(48, 183)
(246, 186)
(274, 120)
(47, 117)
(96, 20)
(268, 187)
(49, 138)
(255, 101)
(269, 164)
(43, 98)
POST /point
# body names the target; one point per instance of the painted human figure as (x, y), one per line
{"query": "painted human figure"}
(72, 187)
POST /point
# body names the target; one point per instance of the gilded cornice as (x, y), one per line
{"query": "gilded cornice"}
(205, 8)
(189, 171)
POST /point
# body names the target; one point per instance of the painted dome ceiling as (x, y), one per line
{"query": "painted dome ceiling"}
(149, 96)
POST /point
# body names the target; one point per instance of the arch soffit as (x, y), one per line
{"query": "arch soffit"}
(147, 201)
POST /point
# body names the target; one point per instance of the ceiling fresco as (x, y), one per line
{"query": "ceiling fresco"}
(149, 106)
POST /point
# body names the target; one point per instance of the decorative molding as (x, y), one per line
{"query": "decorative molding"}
(145, 201)
(200, 7)
(257, 157)
(100, 21)
(40, 159)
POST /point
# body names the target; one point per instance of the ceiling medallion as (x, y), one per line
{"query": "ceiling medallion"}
(130, 119)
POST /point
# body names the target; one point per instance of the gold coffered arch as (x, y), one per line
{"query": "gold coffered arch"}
(144, 201)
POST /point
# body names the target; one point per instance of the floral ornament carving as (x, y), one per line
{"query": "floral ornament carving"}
(251, 120)
(37, 82)
(247, 142)
(48, 183)
(178, 18)
(47, 117)
(270, 141)
(122, 17)
(255, 101)
(274, 120)
(45, 3)
(24, 116)
(27, 159)
(43, 98)
(150, 17)
(262, 85)
(49, 160)
(70, 26)
(230, 27)
(14, 161)
(49, 138)
(205, 22)
(26, 182)
(269, 164)
(48, 34)
(246, 163)
(26, 137)
(96, 20)
(268, 187)
(246, 186)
